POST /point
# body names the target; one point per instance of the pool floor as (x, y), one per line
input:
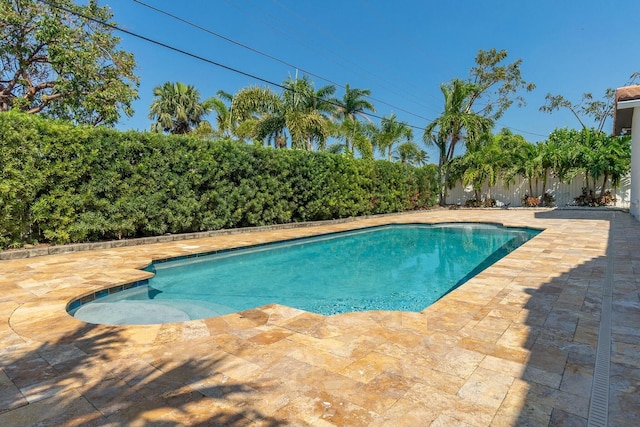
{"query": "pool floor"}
(513, 346)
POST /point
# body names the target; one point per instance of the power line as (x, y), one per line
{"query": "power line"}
(209, 61)
(237, 43)
(259, 52)
(192, 55)
(382, 77)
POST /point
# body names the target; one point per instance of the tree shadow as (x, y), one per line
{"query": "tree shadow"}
(564, 323)
(91, 377)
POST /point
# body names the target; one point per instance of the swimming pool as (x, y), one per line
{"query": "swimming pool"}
(393, 267)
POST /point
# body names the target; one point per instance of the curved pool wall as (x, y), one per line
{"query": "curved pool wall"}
(154, 300)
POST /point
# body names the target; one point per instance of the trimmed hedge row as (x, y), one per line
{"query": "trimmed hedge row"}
(61, 183)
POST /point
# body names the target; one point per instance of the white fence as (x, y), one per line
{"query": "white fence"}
(564, 193)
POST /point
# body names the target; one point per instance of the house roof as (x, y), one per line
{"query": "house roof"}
(627, 98)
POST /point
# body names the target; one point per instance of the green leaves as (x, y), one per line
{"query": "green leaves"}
(177, 109)
(62, 65)
(62, 183)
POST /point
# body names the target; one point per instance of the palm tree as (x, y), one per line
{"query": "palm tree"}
(300, 110)
(177, 109)
(457, 123)
(409, 153)
(226, 125)
(389, 133)
(353, 106)
(483, 166)
(605, 156)
(308, 110)
(357, 136)
(260, 112)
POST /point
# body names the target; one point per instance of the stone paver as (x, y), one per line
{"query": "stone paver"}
(514, 346)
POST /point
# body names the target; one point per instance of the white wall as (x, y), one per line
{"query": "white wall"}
(635, 164)
(564, 193)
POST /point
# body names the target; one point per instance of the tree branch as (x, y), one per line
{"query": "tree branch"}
(45, 102)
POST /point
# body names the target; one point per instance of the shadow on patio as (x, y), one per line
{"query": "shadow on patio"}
(564, 321)
(90, 378)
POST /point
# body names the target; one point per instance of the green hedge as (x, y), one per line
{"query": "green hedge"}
(62, 183)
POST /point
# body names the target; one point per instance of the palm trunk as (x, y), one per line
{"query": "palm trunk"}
(604, 182)
(587, 186)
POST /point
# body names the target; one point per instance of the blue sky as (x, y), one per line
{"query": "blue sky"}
(401, 50)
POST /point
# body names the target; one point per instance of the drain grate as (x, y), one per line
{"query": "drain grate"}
(599, 405)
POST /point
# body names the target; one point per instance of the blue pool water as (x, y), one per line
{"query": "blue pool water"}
(396, 267)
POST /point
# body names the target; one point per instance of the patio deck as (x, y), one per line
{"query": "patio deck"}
(514, 346)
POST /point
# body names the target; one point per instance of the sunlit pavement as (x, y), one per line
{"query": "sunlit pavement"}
(514, 346)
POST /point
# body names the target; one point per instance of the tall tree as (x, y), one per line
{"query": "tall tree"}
(225, 123)
(177, 109)
(483, 166)
(494, 86)
(456, 123)
(309, 111)
(300, 110)
(58, 62)
(260, 112)
(408, 152)
(603, 157)
(351, 107)
(357, 137)
(391, 132)
(597, 110)
(497, 85)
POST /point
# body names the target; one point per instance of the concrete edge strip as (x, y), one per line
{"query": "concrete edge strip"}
(599, 404)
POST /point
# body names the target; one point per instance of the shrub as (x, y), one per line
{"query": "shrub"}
(63, 183)
(530, 202)
(588, 198)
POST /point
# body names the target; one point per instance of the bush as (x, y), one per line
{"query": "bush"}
(63, 183)
(590, 199)
(530, 202)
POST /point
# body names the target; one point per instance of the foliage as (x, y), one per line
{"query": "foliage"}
(408, 152)
(300, 110)
(588, 198)
(63, 65)
(546, 199)
(567, 153)
(491, 84)
(530, 201)
(595, 154)
(177, 109)
(62, 183)
(390, 132)
(349, 109)
(496, 84)
(588, 107)
(456, 123)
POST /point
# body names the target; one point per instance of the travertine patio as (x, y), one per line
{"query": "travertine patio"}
(514, 346)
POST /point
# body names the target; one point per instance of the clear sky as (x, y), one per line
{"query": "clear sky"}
(401, 50)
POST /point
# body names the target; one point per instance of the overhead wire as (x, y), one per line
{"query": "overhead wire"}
(305, 71)
(375, 65)
(266, 55)
(203, 59)
(330, 57)
(192, 55)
